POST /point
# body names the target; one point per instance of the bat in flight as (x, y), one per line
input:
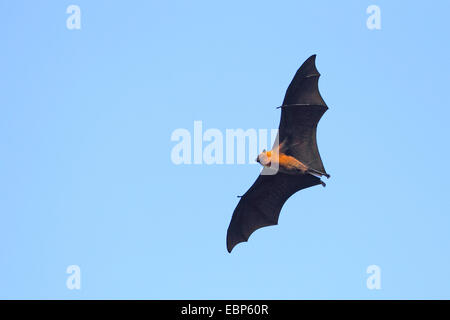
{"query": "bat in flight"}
(293, 163)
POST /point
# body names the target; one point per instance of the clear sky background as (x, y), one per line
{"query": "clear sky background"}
(86, 176)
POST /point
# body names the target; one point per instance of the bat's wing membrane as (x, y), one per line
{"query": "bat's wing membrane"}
(302, 109)
(261, 205)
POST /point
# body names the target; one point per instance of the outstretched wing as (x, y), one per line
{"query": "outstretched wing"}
(260, 206)
(300, 113)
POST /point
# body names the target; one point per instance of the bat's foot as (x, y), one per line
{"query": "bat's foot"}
(323, 183)
(315, 172)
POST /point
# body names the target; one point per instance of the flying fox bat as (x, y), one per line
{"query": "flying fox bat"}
(293, 163)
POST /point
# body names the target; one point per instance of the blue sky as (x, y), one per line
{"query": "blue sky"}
(87, 178)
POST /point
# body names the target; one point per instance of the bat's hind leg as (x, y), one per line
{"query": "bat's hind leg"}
(317, 172)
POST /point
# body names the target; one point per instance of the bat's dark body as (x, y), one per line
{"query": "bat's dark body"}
(301, 111)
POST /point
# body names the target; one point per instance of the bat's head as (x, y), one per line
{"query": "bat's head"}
(264, 158)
